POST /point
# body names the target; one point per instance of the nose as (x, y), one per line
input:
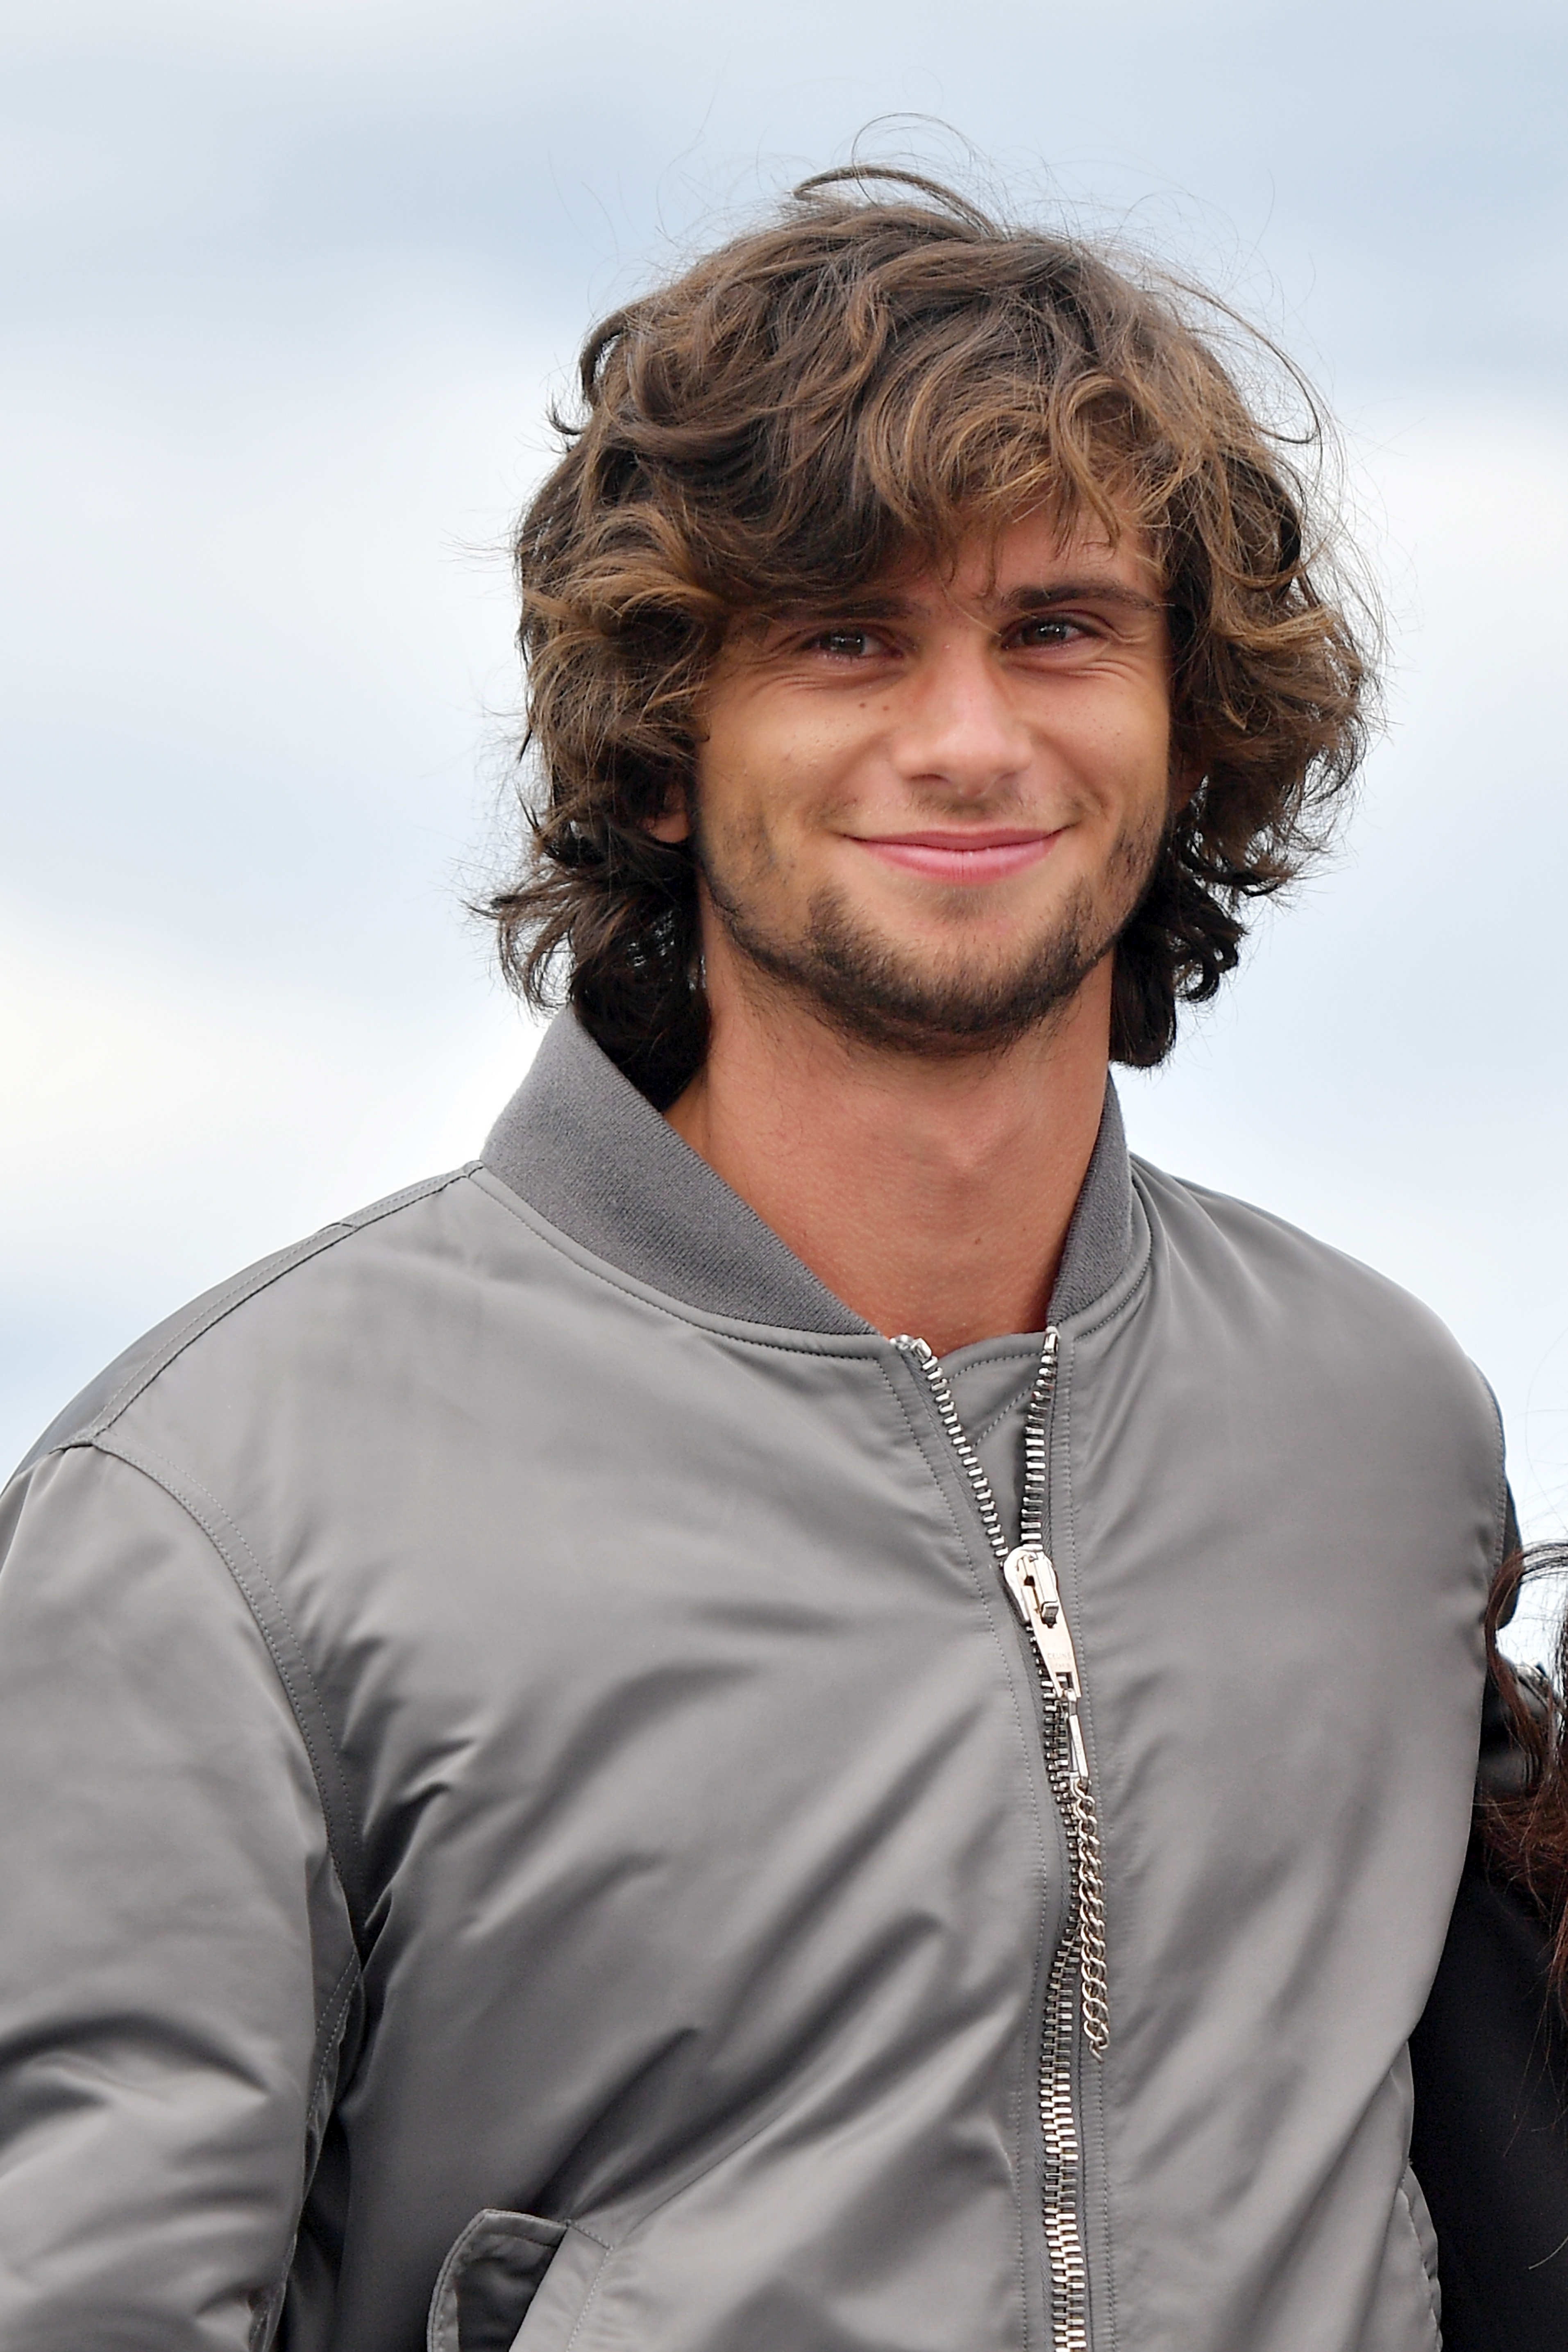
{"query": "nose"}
(961, 729)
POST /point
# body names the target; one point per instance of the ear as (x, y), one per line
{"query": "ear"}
(671, 824)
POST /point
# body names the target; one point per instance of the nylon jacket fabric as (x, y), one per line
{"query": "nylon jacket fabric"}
(523, 1808)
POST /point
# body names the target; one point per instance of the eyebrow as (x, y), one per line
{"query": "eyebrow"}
(888, 605)
(1070, 591)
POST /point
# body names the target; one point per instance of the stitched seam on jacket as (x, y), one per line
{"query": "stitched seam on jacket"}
(847, 1346)
(440, 2339)
(250, 1285)
(592, 2289)
(1061, 1487)
(1030, 1359)
(294, 1675)
(1029, 1733)
(1499, 1536)
(1121, 1304)
(1426, 2280)
(328, 2031)
(329, 2025)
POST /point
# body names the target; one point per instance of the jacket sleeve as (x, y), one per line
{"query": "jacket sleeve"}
(174, 1937)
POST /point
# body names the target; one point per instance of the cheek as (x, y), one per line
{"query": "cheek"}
(738, 835)
(767, 788)
(1133, 756)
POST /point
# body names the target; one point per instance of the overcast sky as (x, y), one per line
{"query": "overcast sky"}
(286, 286)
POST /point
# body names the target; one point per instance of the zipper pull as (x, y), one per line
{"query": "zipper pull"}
(1031, 1580)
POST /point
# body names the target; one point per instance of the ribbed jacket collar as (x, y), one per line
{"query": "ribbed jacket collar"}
(592, 1157)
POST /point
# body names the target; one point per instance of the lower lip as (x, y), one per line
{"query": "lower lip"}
(992, 862)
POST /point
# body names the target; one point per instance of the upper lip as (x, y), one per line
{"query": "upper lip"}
(968, 836)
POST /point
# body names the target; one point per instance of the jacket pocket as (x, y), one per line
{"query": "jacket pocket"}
(490, 2278)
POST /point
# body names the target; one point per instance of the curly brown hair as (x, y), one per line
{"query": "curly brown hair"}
(865, 377)
(1524, 1818)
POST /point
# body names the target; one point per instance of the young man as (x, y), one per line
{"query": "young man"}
(802, 1711)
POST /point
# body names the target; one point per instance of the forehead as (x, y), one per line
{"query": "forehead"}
(1037, 554)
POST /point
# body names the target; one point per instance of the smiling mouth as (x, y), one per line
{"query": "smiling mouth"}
(972, 855)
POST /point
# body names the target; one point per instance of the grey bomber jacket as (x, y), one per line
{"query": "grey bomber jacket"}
(524, 1806)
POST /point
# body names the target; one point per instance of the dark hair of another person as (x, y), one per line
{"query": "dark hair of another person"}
(864, 381)
(1526, 1825)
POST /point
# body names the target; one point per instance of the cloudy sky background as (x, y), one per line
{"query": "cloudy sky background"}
(287, 284)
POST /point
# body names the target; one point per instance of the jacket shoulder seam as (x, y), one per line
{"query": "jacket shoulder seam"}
(283, 1645)
(250, 1284)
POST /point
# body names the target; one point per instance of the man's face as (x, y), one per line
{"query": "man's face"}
(930, 811)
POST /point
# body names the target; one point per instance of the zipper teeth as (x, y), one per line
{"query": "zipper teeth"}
(1074, 1797)
(1080, 1950)
(973, 1467)
(1031, 1502)
(1059, 2128)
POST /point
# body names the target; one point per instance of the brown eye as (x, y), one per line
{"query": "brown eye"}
(1050, 629)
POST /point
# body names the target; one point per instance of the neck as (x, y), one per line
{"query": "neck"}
(932, 1195)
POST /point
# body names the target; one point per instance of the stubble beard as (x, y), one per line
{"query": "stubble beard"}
(875, 993)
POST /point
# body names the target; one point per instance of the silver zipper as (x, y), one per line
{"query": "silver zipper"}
(1077, 1983)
